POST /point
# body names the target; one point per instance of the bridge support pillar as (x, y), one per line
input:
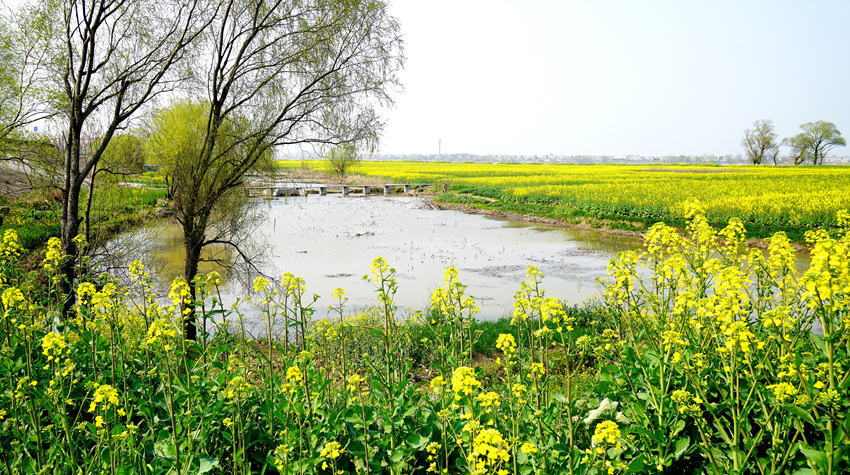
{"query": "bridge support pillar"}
(323, 190)
(367, 189)
(344, 190)
(407, 188)
(388, 190)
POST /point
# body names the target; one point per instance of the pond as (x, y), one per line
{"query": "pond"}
(330, 242)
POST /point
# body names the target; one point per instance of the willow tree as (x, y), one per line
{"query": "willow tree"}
(278, 73)
(175, 143)
(102, 61)
(814, 142)
(760, 142)
(342, 158)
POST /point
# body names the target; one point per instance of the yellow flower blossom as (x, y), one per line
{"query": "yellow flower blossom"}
(464, 382)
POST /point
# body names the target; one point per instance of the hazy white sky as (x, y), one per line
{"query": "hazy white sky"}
(615, 77)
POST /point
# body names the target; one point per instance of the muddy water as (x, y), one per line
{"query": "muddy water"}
(330, 241)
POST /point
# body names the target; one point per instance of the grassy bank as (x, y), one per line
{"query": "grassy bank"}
(35, 218)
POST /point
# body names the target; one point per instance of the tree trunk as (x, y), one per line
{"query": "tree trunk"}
(70, 227)
(87, 215)
(69, 222)
(193, 245)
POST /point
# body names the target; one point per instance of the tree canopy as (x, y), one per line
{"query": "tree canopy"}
(342, 158)
(760, 142)
(814, 142)
(254, 75)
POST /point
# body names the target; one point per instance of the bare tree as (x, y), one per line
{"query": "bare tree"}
(282, 72)
(104, 60)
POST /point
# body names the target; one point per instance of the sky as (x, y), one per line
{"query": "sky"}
(615, 77)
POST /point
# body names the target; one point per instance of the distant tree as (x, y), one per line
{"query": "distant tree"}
(760, 142)
(815, 142)
(125, 153)
(342, 158)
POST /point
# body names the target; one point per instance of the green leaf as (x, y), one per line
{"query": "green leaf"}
(165, 449)
(800, 413)
(207, 464)
(818, 341)
(351, 416)
(417, 441)
(560, 398)
(680, 425)
(816, 456)
(637, 465)
(521, 457)
(682, 445)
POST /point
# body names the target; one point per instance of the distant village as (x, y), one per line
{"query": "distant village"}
(736, 159)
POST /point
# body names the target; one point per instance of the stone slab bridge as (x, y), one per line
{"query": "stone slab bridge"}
(292, 189)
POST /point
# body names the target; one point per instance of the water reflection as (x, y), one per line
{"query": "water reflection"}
(330, 241)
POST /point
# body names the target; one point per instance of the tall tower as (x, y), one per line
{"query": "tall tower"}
(439, 147)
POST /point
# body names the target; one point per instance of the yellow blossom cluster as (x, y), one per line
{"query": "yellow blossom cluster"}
(53, 256)
(507, 344)
(105, 396)
(519, 390)
(606, 433)
(161, 331)
(464, 382)
(52, 345)
(488, 400)
(687, 402)
(783, 391)
(12, 298)
(437, 384)
(237, 387)
(489, 451)
(10, 247)
(450, 300)
(332, 450)
(432, 449)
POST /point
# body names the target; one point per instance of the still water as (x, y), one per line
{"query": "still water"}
(330, 242)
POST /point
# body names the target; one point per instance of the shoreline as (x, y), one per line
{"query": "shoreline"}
(430, 196)
(637, 236)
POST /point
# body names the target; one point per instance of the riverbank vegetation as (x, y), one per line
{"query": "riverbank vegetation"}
(701, 357)
(35, 218)
(766, 199)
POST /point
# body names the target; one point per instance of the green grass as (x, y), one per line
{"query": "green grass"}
(34, 221)
(114, 210)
